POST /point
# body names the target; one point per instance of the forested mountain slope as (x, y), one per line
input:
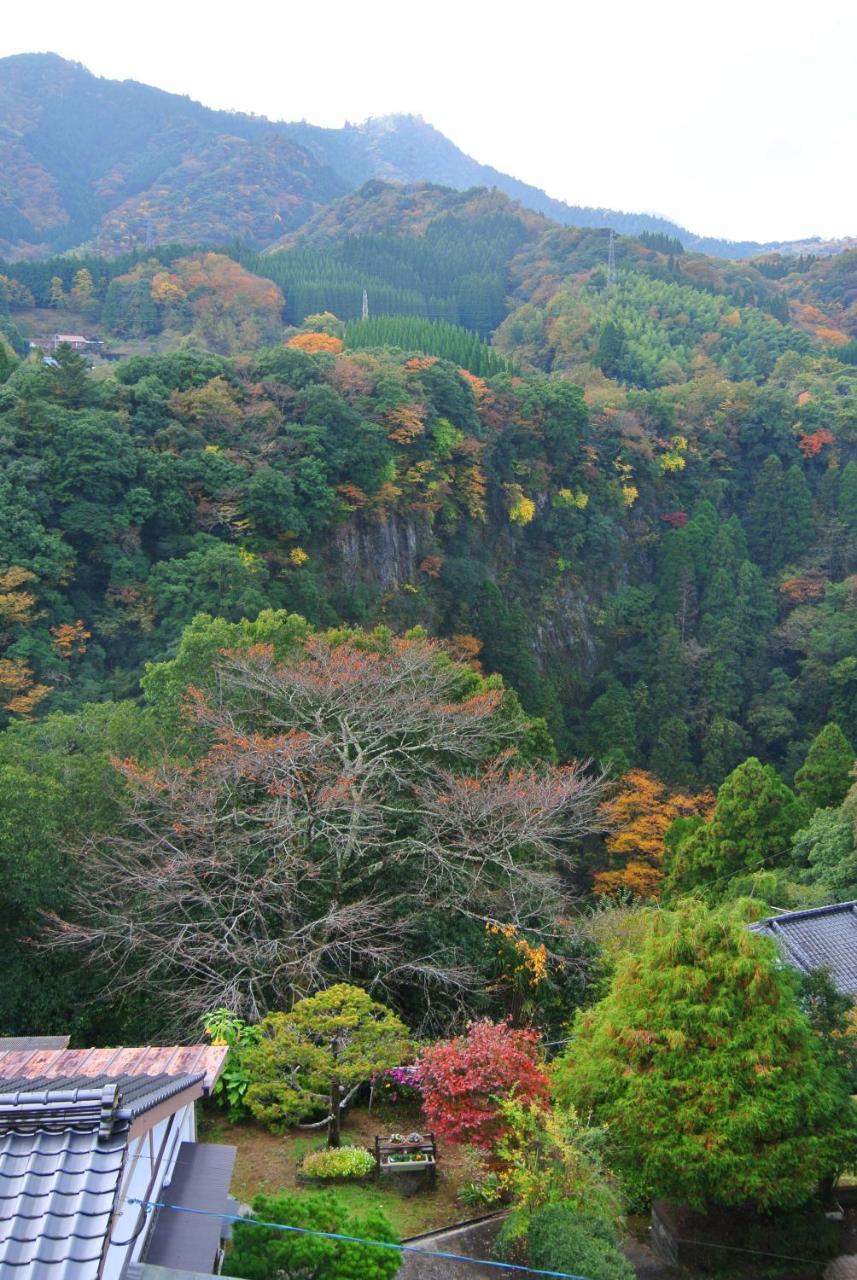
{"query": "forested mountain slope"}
(118, 165)
(638, 504)
(632, 494)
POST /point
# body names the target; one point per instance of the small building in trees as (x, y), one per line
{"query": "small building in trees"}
(76, 341)
(85, 1136)
(818, 938)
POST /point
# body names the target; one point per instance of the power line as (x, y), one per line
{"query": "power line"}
(148, 1205)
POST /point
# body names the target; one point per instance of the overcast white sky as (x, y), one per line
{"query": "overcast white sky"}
(734, 118)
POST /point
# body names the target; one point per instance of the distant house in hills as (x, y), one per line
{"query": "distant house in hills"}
(84, 1133)
(818, 938)
(76, 341)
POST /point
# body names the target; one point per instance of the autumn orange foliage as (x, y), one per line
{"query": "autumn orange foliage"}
(640, 815)
(812, 443)
(804, 589)
(70, 638)
(313, 343)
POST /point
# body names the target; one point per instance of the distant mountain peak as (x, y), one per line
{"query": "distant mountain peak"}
(141, 165)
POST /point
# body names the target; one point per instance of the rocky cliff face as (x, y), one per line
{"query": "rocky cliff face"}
(382, 552)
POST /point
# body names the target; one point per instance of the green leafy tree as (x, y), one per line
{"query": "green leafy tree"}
(56, 788)
(318, 1055)
(671, 758)
(70, 378)
(826, 854)
(764, 514)
(610, 352)
(612, 722)
(796, 525)
(713, 1084)
(259, 1253)
(724, 746)
(823, 780)
(562, 1239)
(754, 821)
(846, 503)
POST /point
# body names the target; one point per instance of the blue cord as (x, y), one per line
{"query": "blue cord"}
(378, 1244)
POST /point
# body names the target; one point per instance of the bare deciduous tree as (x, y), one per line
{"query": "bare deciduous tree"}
(349, 799)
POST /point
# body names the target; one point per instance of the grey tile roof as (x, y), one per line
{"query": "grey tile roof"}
(63, 1141)
(135, 1094)
(32, 1043)
(57, 1192)
(820, 938)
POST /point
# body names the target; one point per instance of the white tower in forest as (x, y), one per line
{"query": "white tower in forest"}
(611, 261)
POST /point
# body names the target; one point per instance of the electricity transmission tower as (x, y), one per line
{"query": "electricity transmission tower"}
(611, 261)
(364, 314)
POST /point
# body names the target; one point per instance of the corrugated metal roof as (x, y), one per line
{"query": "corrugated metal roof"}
(819, 938)
(149, 1060)
(200, 1180)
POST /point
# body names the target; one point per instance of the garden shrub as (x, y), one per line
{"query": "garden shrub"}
(338, 1162)
(561, 1239)
(259, 1253)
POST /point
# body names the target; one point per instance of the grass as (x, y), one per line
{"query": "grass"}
(268, 1162)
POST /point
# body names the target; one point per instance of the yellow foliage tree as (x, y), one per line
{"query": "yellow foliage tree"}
(19, 693)
(640, 815)
(82, 285)
(521, 508)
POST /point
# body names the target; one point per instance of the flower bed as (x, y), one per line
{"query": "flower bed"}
(337, 1164)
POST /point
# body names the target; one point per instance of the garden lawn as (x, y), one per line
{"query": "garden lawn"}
(268, 1162)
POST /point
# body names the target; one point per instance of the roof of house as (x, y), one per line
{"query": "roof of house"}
(200, 1180)
(819, 938)
(150, 1060)
(66, 1118)
(57, 1192)
(33, 1042)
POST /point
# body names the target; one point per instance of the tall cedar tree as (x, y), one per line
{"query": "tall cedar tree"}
(823, 780)
(713, 1085)
(755, 818)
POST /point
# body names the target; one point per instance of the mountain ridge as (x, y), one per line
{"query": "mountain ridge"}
(113, 165)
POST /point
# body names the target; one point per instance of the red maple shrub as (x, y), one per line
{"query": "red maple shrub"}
(463, 1079)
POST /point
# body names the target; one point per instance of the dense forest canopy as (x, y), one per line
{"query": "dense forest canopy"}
(631, 498)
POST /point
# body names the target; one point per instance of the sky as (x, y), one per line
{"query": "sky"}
(733, 119)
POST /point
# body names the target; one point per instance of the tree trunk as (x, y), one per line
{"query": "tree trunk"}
(333, 1128)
